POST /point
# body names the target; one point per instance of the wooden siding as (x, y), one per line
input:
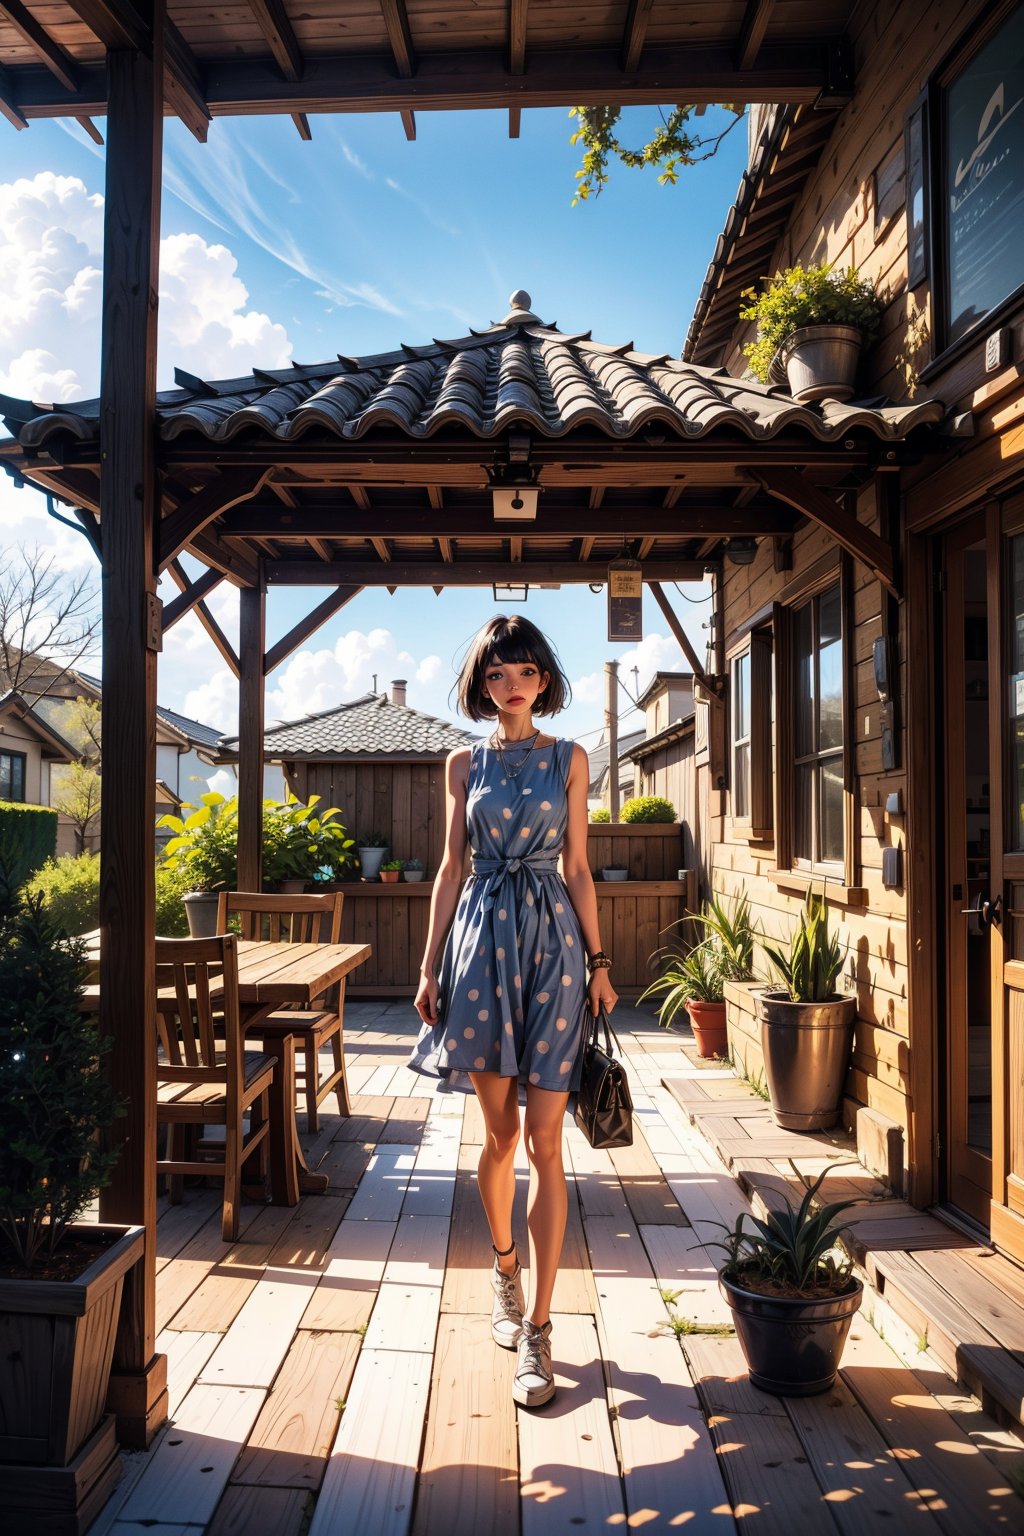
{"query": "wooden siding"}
(403, 801)
(671, 772)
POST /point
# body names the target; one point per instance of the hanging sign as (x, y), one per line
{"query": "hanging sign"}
(625, 600)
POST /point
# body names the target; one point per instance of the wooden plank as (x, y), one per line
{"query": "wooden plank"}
(186, 1353)
(469, 1468)
(569, 1474)
(649, 1198)
(202, 1290)
(258, 1339)
(771, 1487)
(243, 1510)
(682, 1264)
(370, 1478)
(347, 1288)
(189, 1469)
(431, 1190)
(409, 1300)
(382, 1187)
(466, 1283)
(292, 1437)
(594, 1172)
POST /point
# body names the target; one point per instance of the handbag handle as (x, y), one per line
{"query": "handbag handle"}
(600, 1020)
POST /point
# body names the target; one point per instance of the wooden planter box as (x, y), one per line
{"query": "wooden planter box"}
(744, 1029)
(58, 1454)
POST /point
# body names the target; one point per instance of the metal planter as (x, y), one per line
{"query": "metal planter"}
(820, 362)
(792, 1346)
(201, 911)
(806, 1053)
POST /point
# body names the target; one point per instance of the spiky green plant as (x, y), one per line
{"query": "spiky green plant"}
(815, 957)
(695, 977)
(797, 1250)
(728, 924)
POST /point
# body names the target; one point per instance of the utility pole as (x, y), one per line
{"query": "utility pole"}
(611, 732)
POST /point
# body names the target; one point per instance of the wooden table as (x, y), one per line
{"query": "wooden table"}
(270, 976)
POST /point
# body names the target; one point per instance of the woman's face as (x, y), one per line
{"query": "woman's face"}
(513, 686)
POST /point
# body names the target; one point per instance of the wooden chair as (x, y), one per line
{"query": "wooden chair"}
(202, 1080)
(300, 920)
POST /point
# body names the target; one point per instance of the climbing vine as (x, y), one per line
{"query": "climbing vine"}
(672, 146)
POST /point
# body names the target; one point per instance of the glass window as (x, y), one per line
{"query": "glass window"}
(12, 776)
(741, 736)
(984, 179)
(818, 815)
(1016, 699)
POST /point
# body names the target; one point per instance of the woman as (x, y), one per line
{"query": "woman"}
(523, 953)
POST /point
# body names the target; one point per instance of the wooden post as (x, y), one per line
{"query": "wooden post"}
(128, 512)
(251, 646)
(611, 731)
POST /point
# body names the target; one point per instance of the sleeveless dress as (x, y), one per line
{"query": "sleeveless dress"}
(512, 981)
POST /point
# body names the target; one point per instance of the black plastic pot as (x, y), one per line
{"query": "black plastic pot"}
(792, 1347)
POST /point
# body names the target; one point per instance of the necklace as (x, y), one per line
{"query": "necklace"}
(514, 772)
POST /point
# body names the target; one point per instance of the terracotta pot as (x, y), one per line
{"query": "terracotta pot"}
(792, 1346)
(709, 1031)
(57, 1342)
(390, 876)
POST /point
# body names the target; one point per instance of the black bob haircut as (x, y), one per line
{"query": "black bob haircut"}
(512, 639)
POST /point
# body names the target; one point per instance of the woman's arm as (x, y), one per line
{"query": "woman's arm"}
(445, 895)
(578, 879)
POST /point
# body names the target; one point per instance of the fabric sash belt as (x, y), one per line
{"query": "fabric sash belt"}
(497, 871)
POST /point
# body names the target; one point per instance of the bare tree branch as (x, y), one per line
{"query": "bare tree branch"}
(49, 621)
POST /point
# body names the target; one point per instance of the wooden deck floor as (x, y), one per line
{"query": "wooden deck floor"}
(332, 1371)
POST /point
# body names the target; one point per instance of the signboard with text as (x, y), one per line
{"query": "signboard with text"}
(625, 601)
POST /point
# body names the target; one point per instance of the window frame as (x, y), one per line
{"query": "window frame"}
(757, 823)
(22, 758)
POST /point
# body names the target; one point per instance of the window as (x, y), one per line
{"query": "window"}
(819, 780)
(12, 775)
(751, 736)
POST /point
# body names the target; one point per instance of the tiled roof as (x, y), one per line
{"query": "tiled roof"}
(199, 735)
(372, 726)
(521, 371)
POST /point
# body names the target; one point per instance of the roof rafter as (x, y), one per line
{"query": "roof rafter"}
(192, 516)
(118, 25)
(277, 29)
(791, 487)
(306, 627)
(635, 33)
(755, 25)
(396, 20)
(57, 61)
(7, 107)
(462, 573)
(260, 520)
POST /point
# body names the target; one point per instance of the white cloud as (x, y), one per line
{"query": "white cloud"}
(655, 653)
(51, 244)
(355, 162)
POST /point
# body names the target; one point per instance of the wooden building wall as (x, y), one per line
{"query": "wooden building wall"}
(671, 772)
(404, 801)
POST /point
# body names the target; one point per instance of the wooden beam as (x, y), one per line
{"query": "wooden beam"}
(789, 486)
(381, 549)
(119, 25)
(185, 85)
(192, 516)
(682, 638)
(798, 71)
(463, 573)
(584, 551)
(190, 596)
(301, 122)
(595, 496)
(60, 64)
(633, 37)
(88, 126)
(396, 20)
(408, 124)
(360, 496)
(277, 29)
(307, 626)
(517, 13)
(762, 519)
(445, 547)
(515, 118)
(436, 496)
(252, 624)
(206, 619)
(7, 107)
(755, 25)
(129, 508)
(122, 26)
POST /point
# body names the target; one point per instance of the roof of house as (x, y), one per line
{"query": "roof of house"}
(198, 734)
(521, 371)
(367, 727)
(674, 731)
(71, 683)
(12, 703)
(598, 757)
(661, 681)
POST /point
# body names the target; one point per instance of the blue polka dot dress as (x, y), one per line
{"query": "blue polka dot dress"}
(513, 975)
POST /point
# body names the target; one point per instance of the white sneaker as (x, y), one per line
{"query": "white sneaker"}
(534, 1382)
(507, 1311)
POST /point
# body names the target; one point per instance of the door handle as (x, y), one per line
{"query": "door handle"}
(988, 911)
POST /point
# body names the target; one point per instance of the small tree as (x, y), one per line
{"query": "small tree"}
(75, 790)
(49, 621)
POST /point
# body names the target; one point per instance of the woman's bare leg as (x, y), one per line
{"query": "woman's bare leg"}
(496, 1176)
(548, 1202)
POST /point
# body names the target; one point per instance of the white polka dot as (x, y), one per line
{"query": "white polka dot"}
(482, 1015)
(524, 832)
(545, 805)
(504, 781)
(473, 994)
(497, 991)
(500, 954)
(561, 1024)
(480, 1063)
(517, 981)
(480, 950)
(564, 1068)
(519, 1014)
(553, 832)
(495, 1046)
(543, 763)
(569, 940)
(495, 832)
(542, 997)
(469, 1034)
(507, 814)
(543, 1046)
(527, 791)
(502, 913)
(508, 1026)
(487, 970)
(537, 958)
(450, 1044)
(566, 981)
(535, 1078)
(559, 907)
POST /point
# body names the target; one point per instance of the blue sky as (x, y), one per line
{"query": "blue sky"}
(277, 249)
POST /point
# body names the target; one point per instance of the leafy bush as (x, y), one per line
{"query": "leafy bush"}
(601, 815)
(205, 843)
(171, 886)
(70, 888)
(54, 1097)
(802, 296)
(28, 837)
(648, 808)
(301, 845)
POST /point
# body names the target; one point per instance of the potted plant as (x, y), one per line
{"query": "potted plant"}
(811, 325)
(807, 1027)
(413, 871)
(694, 981)
(793, 1294)
(299, 843)
(204, 849)
(60, 1279)
(372, 852)
(391, 872)
(601, 816)
(615, 872)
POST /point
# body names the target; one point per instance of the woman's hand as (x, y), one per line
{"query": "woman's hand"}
(426, 999)
(601, 993)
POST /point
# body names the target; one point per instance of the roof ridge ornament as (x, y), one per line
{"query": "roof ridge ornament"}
(520, 313)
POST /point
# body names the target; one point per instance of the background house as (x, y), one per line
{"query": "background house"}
(664, 760)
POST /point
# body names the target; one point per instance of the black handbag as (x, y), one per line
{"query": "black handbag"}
(604, 1104)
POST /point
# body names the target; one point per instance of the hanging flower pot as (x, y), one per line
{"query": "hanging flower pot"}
(820, 362)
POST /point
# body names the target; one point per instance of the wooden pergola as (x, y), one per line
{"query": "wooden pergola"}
(323, 492)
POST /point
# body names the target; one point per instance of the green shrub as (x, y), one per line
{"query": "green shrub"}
(648, 808)
(171, 886)
(601, 815)
(28, 837)
(802, 296)
(70, 888)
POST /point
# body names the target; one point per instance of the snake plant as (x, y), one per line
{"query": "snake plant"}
(794, 1250)
(815, 957)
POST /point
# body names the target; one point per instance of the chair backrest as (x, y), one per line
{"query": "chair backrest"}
(197, 985)
(283, 919)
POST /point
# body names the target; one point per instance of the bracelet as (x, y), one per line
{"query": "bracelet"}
(599, 961)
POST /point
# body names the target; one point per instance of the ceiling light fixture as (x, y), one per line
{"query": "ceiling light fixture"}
(742, 551)
(510, 591)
